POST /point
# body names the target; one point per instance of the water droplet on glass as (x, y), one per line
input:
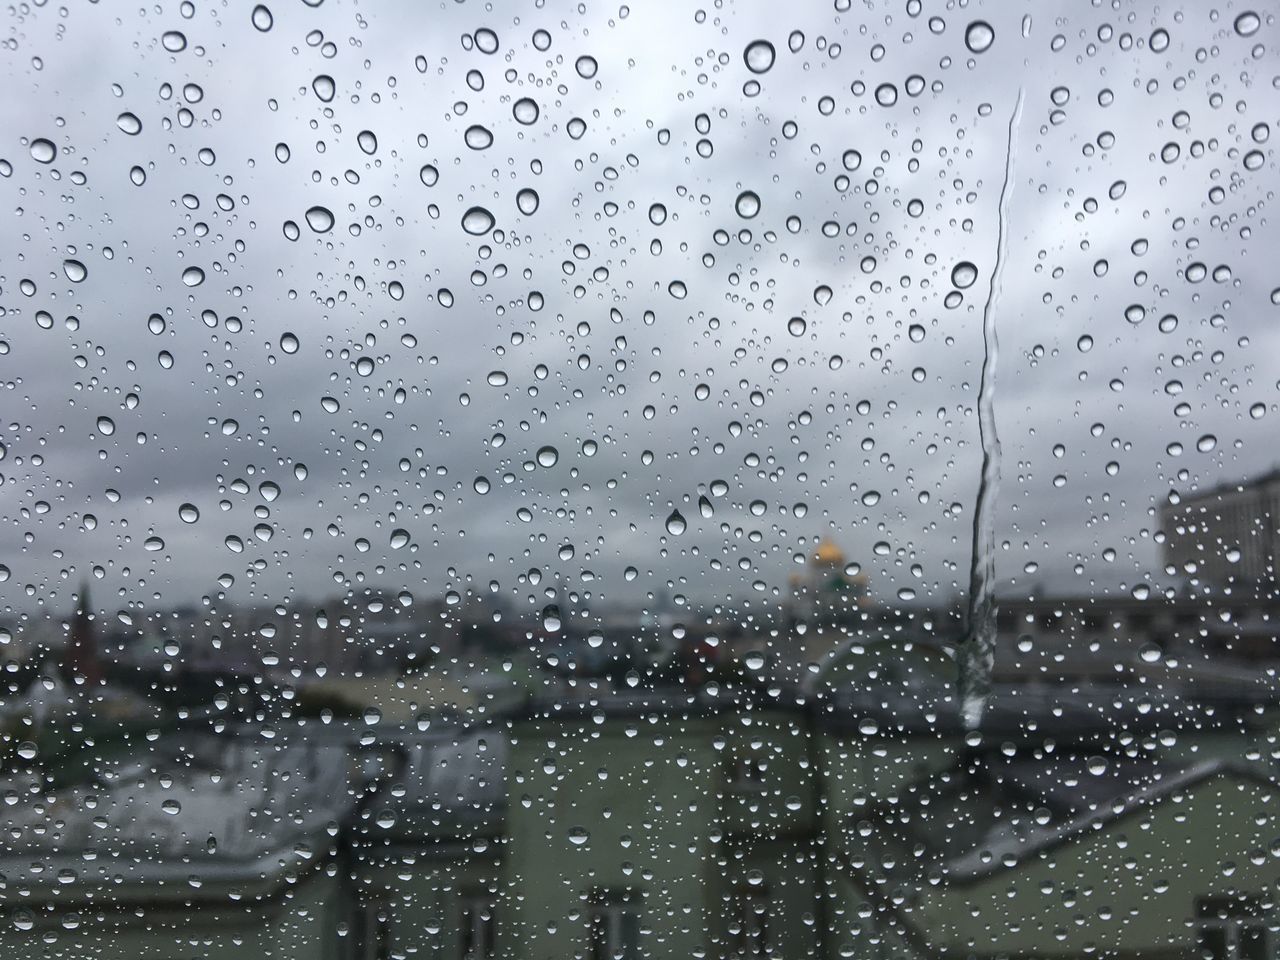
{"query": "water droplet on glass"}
(1258, 411)
(796, 326)
(747, 204)
(261, 18)
(527, 201)
(399, 538)
(497, 378)
(175, 41)
(525, 111)
(480, 485)
(188, 513)
(886, 94)
(429, 175)
(171, 806)
(43, 151)
(676, 523)
(978, 36)
(1206, 443)
(963, 274)
(1247, 24)
(106, 426)
(324, 87)
(477, 137)
(320, 219)
(477, 221)
(129, 123)
(75, 270)
(548, 456)
(330, 404)
(368, 141)
(759, 56)
(193, 276)
(586, 66)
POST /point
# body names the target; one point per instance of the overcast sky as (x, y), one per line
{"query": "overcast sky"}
(805, 347)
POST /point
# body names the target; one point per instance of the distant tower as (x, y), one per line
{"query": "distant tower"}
(81, 657)
(826, 592)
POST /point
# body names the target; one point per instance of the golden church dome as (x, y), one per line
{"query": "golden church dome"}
(828, 554)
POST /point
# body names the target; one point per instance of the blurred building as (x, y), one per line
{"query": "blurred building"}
(859, 819)
(1226, 536)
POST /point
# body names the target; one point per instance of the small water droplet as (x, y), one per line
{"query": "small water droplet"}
(368, 141)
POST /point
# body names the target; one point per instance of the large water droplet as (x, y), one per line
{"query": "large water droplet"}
(963, 274)
(43, 151)
(676, 523)
(1247, 23)
(527, 201)
(175, 41)
(193, 276)
(75, 270)
(477, 221)
(106, 426)
(759, 56)
(886, 94)
(747, 204)
(477, 137)
(129, 123)
(320, 219)
(324, 87)
(586, 66)
(979, 36)
(262, 18)
(188, 513)
(548, 456)
(525, 111)
(368, 141)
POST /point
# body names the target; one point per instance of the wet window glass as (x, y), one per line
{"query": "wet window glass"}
(575, 480)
